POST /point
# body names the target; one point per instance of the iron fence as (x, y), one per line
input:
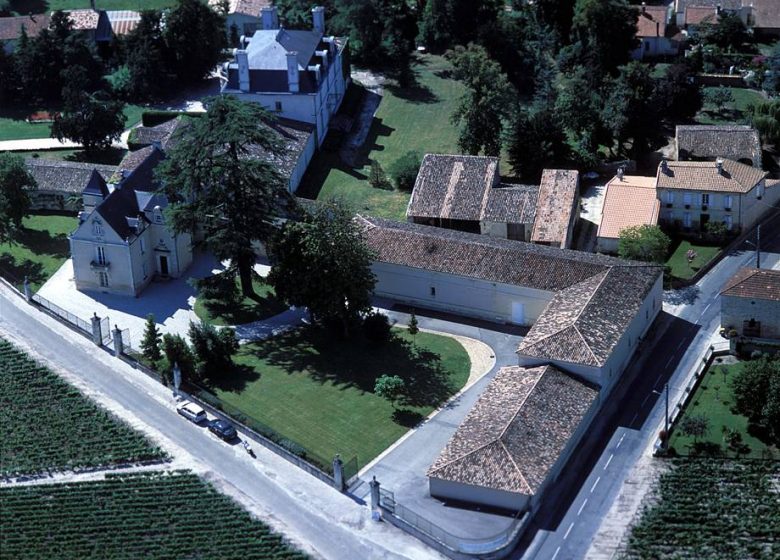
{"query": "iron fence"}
(77, 322)
(105, 331)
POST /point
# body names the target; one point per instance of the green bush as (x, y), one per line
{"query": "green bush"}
(376, 328)
(404, 170)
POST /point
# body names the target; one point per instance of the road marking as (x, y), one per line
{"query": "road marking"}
(557, 550)
(568, 530)
(592, 488)
(582, 506)
(609, 461)
(644, 401)
(705, 310)
(621, 441)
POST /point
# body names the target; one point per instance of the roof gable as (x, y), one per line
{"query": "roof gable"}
(268, 48)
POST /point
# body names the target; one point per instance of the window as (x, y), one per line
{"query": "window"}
(687, 219)
(278, 106)
(433, 291)
(101, 255)
(143, 245)
(97, 229)
(729, 221)
(705, 199)
(669, 197)
(103, 277)
(687, 198)
(727, 199)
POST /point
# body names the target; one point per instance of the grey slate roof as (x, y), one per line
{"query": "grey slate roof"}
(733, 142)
(267, 50)
(595, 296)
(516, 431)
(11, 27)
(65, 176)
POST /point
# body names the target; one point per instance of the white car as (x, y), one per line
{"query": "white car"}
(191, 411)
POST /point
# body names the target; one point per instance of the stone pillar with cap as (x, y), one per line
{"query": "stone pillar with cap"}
(27, 289)
(117, 336)
(338, 473)
(374, 485)
(97, 335)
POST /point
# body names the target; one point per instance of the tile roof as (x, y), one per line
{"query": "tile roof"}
(681, 5)
(555, 208)
(703, 176)
(461, 187)
(630, 202)
(766, 14)
(651, 21)
(733, 142)
(515, 433)
(754, 283)
(123, 21)
(696, 15)
(84, 20)
(248, 7)
(11, 27)
(65, 176)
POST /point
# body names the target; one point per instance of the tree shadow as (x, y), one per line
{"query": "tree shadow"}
(407, 418)
(42, 243)
(15, 271)
(415, 93)
(109, 156)
(234, 381)
(686, 296)
(25, 7)
(252, 308)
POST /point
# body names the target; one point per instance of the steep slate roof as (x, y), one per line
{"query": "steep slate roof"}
(766, 14)
(162, 133)
(65, 176)
(96, 186)
(733, 142)
(651, 21)
(516, 431)
(630, 202)
(11, 27)
(703, 176)
(555, 206)
(754, 283)
(596, 297)
(268, 49)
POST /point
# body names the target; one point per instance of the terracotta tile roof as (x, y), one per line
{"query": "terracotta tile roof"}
(703, 176)
(583, 324)
(248, 7)
(556, 206)
(766, 14)
(630, 202)
(651, 21)
(681, 5)
(511, 204)
(11, 27)
(65, 176)
(733, 142)
(84, 20)
(754, 283)
(696, 15)
(516, 431)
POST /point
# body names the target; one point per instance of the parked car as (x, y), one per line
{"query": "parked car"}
(223, 429)
(191, 411)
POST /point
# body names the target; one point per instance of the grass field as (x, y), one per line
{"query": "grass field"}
(718, 509)
(416, 118)
(714, 398)
(732, 112)
(45, 424)
(678, 261)
(317, 390)
(24, 7)
(151, 516)
(250, 309)
(40, 250)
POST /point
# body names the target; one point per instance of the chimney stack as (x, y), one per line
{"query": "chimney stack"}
(719, 165)
(318, 19)
(293, 80)
(664, 166)
(242, 59)
(270, 17)
(620, 173)
(644, 7)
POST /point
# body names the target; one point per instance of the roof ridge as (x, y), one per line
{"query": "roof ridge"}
(520, 405)
(517, 468)
(466, 454)
(592, 353)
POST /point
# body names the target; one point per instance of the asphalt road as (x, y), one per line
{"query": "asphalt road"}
(322, 521)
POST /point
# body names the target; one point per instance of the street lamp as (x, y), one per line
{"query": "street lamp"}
(666, 416)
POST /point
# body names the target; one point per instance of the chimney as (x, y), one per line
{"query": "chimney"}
(318, 19)
(316, 69)
(324, 58)
(270, 17)
(242, 59)
(719, 165)
(620, 173)
(293, 82)
(644, 7)
(717, 9)
(664, 166)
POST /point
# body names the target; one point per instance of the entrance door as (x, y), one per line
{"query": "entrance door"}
(518, 313)
(163, 265)
(703, 219)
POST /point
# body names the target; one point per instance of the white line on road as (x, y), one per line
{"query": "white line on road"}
(592, 488)
(568, 530)
(705, 310)
(621, 441)
(609, 461)
(557, 550)
(582, 506)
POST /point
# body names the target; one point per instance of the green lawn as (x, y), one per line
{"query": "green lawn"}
(40, 251)
(733, 112)
(250, 309)
(416, 118)
(317, 390)
(679, 262)
(714, 398)
(24, 7)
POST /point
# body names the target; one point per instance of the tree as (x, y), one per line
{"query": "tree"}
(557, 15)
(771, 411)
(765, 118)
(177, 351)
(679, 92)
(15, 183)
(772, 77)
(7, 63)
(728, 33)
(214, 349)
(695, 426)
(643, 243)
(404, 170)
(323, 263)
(751, 387)
(413, 327)
(537, 141)
(390, 387)
(377, 177)
(484, 109)
(718, 97)
(716, 230)
(445, 23)
(150, 344)
(145, 58)
(606, 33)
(213, 183)
(195, 38)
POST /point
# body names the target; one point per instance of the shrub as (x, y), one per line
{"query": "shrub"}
(293, 448)
(404, 170)
(221, 288)
(377, 177)
(376, 328)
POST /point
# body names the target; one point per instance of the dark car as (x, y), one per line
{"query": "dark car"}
(223, 429)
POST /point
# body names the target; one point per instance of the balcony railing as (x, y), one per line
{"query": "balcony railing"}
(95, 265)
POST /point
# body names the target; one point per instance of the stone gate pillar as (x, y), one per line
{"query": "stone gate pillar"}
(97, 335)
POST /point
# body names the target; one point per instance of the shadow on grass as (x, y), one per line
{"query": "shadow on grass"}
(252, 308)
(356, 363)
(407, 418)
(234, 382)
(41, 243)
(415, 93)
(15, 272)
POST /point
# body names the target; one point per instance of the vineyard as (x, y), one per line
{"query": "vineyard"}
(45, 424)
(714, 509)
(153, 516)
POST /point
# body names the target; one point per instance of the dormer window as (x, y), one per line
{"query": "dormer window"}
(97, 229)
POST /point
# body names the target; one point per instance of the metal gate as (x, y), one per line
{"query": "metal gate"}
(105, 331)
